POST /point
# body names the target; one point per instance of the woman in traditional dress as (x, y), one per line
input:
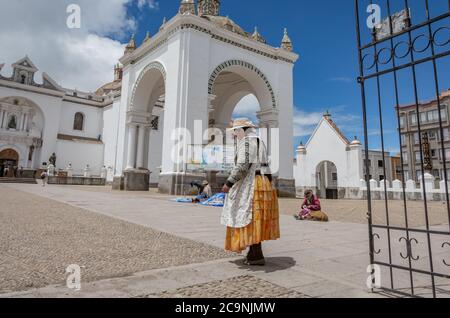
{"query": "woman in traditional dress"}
(311, 209)
(250, 211)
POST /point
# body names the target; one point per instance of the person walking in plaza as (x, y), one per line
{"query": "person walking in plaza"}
(44, 178)
(250, 211)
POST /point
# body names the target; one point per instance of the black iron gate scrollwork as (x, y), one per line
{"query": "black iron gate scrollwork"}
(409, 231)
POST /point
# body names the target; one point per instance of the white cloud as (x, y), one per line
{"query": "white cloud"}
(247, 108)
(76, 58)
(306, 122)
(152, 4)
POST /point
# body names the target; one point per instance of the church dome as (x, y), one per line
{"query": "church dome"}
(226, 23)
(355, 142)
(108, 88)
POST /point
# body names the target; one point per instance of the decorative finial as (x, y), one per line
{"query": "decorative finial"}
(187, 7)
(286, 43)
(257, 36)
(131, 46)
(147, 37)
(163, 23)
(208, 7)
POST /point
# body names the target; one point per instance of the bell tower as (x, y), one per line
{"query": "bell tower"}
(208, 7)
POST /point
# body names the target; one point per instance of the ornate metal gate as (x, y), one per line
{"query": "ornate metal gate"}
(403, 59)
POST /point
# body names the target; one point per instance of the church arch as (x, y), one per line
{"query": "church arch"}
(148, 80)
(244, 68)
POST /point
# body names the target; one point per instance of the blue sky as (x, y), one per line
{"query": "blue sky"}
(324, 35)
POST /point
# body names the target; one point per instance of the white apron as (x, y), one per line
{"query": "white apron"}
(238, 207)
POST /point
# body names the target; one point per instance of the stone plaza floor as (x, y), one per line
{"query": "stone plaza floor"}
(144, 245)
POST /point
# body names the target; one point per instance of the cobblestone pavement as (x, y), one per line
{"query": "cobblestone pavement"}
(237, 287)
(314, 259)
(39, 238)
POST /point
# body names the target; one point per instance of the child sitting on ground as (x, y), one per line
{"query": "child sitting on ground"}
(311, 209)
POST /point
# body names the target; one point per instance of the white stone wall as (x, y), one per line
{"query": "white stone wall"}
(93, 120)
(80, 154)
(110, 136)
(395, 191)
(58, 116)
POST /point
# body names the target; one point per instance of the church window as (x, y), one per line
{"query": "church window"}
(23, 79)
(78, 122)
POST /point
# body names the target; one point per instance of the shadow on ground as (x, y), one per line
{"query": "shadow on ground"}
(273, 264)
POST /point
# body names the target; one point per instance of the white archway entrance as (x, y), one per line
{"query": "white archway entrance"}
(239, 89)
(144, 121)
(327, 180)
(230, 83)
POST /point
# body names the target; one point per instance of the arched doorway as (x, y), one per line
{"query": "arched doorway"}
(234, 82)
(237, 89)
(24, 123)
(327, 180)
(146, 122)
(9, 158)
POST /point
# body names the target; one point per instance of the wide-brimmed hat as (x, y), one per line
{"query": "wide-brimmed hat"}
(205, 183)
(241, 123)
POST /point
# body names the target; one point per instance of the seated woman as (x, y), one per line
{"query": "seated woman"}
(311, 209)
(205, 192)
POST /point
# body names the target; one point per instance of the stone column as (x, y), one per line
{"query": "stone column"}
(20, 123)
(2, 118)
(131, 155)
(141, 147)
(25, 124)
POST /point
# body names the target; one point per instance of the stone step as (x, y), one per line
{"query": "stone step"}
(18, 180)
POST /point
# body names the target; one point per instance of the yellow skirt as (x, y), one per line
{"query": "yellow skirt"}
(265, 225)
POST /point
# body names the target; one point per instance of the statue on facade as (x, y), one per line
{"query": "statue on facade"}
(104, 173)
(87, 172)
(69, 170)
(52, 159)
(51, 170)
(12, 123)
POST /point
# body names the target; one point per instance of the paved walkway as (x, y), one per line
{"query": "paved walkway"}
(312, 259)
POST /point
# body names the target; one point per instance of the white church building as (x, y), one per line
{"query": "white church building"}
(195, 69)
(333, 166)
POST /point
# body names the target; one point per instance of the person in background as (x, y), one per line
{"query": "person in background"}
(204, 190)
(311, 209)
(207, 191)
(44, 178)
(6, 172)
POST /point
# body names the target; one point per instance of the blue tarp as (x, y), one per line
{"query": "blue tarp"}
(217, 200)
